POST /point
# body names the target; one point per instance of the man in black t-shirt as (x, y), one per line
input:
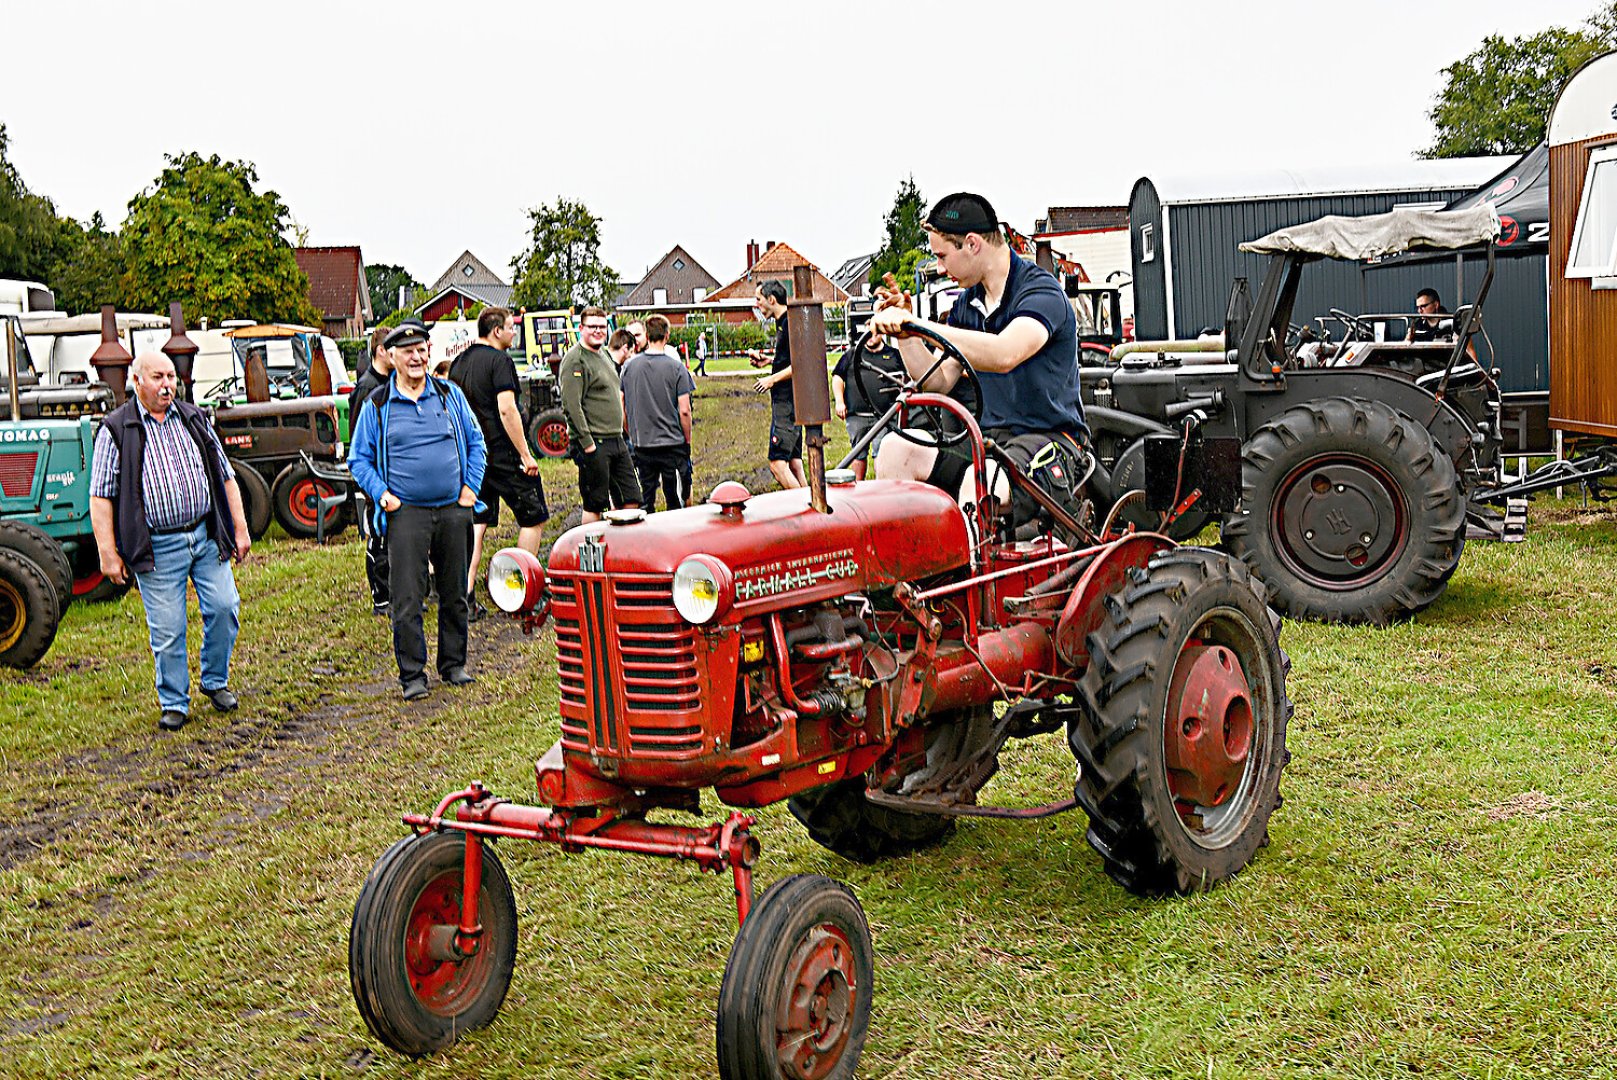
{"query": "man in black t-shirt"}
(848, 398)
(785, 437)
(488, 377)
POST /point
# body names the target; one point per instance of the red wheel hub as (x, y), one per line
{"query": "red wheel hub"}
(440, 985)
(1208, 726)
(305, 497)
(553, 438)
(815, 1015)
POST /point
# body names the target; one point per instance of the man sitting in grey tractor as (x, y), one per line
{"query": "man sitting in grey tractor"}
(1016, 329)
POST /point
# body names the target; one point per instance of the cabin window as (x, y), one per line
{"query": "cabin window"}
(1148, 243)
(1594, 237)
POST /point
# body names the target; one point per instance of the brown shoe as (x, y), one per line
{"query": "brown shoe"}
(173, 720)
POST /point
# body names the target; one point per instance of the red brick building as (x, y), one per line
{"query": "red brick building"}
(337, 286)
(468, 281)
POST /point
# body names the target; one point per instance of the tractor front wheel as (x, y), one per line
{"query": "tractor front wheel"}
(42, 548)
(1182, 734)
(30, 610)
(548, 433)
(296, 498)
(1352, 513)
(795, 1001)
(415, 991)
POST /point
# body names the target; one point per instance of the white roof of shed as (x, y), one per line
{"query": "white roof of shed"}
(1414, 176)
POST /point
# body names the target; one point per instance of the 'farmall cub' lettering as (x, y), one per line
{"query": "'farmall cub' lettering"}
(788, 575)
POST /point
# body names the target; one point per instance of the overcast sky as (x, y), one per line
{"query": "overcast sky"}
(418, 130)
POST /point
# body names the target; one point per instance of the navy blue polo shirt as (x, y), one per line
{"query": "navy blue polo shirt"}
(1041, 393)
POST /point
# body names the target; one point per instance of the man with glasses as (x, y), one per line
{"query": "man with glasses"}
(1437, 324)
(592, 397)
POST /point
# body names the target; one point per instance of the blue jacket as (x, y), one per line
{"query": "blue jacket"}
(367, 452)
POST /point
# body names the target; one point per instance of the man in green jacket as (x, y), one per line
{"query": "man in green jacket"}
(593, 400)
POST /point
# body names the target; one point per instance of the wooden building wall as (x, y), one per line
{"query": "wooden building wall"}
(1583, 320)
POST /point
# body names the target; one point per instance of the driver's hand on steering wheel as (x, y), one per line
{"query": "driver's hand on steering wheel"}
(891, 322)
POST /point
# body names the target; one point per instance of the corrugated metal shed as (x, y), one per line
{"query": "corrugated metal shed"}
(1185, 236)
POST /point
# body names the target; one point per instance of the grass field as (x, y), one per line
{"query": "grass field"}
(1440, 897)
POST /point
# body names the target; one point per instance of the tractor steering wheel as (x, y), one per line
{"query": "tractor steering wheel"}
(1357, 328)
(929, 421)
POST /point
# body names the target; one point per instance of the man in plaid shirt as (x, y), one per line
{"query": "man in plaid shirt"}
(165, 506)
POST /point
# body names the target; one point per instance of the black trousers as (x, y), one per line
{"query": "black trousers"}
(375, 554)
(671, 467)
(418, 537)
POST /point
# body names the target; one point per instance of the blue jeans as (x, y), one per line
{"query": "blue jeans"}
(180, 556)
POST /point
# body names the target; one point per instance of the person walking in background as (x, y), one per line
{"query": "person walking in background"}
(785, 437)
(657, 402)
(164, 506)
(848, 398)
(701, 353)
(378, 372)
(592, 397)
(487, 375)
(419, 454)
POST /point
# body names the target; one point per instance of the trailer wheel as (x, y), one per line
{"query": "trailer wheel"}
(839, 818)
(29, 610)
(795, 1001)
(411, 999)
(548, 433)
(1351, 512)
(1182, 736)
(296, 498)
(255, 498)
(42, 548)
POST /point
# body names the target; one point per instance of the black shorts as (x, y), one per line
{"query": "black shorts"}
(785, 437)
(524, 494)
(606, 478)
(1060, 459)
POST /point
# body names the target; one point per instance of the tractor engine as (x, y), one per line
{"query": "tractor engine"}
(733, 644)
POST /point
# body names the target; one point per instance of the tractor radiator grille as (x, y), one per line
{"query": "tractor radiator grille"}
(17, 473)
(628, 669)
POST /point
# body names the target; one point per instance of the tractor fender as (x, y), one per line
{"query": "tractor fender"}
(1106, 575)
(1449, 427)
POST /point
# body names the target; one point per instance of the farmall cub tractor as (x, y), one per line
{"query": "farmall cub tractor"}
(861, 651)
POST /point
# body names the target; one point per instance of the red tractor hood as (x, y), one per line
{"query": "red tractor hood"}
(878, 533)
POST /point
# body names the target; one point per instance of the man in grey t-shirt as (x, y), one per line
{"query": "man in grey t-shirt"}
(657, 404)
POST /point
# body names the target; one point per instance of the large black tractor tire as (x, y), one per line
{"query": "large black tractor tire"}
(42, 548)
(411, 1001)
(1181, 737)
(839, 818)
(255, 499)
(1351, 512)
(29, 610)
(295, 497)
(548, 433)
(797, 988)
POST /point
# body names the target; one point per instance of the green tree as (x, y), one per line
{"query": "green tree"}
(30, 232)
(562, 265)
(204, 237)
(905, 233)
(89, 269)
(385, 281)
(1497, 100)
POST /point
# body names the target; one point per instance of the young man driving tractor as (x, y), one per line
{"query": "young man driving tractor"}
(1016, 329)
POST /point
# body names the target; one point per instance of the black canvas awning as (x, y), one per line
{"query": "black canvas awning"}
(1521, 196)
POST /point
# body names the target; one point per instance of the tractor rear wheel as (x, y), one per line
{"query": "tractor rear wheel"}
(29, 610)
(1351, 512)
(1182, 736)
(296, 497)
(255, 498)
(413, 998)
(795, 1001)
(839, 817)
(548, 433)
(42, 548)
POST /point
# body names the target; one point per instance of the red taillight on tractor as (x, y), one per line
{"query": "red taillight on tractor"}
(516, 584)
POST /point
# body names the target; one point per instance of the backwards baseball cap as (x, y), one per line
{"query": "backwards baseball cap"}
(962, 213)
(407, 332)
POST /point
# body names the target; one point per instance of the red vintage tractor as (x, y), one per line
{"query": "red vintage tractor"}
(863, 653)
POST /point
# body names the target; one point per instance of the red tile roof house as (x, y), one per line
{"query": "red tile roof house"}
(468, 281)
(733, 303)
(337, 286)
(675, 287)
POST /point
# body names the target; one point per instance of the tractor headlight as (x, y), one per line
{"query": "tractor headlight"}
(516, 581)
(703, 589)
